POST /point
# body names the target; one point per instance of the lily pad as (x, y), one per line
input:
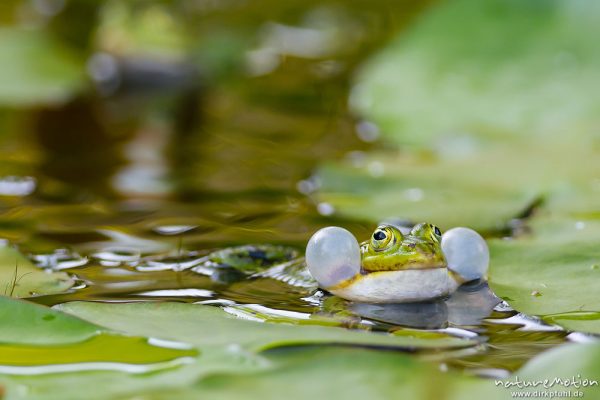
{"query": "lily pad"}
(483, 190)
(41, 339)
(34, 324)
(484, 126)
(577, 366)
(227, 348)
(36, 69)
(551, 273)
(211, 327)
(20, 278)
(330, 373)
(48, 354)
(533, 70)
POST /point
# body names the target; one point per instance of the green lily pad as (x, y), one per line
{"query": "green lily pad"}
(211, 327)
(483, 190)
(551, 273)
(533, 71)
(227, 347)
(20, 278)
(104, 348)
(34, 324)
(459, 193)
(485, 125)
(39, 346)
(36, 69)
(38, 336)
(576, 365)
(331, 373)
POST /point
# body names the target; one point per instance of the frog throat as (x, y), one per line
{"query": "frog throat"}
(382, 274)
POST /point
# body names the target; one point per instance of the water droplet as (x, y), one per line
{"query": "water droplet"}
(376, 169)
(414, 194)
(325, 209)
(307, 186)
(367, 131)
(103, 68)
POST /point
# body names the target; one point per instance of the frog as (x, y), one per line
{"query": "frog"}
(392, 267)
(389, 250)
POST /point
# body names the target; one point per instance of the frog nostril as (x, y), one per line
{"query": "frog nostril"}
(379, 235)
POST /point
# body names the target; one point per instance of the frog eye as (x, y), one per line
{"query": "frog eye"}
(437, 232)
(382, 238)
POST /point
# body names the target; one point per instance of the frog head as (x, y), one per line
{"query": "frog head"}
(389, 250)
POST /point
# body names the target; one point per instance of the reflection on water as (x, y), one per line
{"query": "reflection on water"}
(177, 147)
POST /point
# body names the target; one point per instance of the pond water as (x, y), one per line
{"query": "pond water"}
(129, 189)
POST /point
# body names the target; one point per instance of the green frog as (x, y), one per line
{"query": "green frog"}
(389, 250)
(388, 268)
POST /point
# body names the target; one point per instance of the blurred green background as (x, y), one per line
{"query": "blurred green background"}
(162, 129)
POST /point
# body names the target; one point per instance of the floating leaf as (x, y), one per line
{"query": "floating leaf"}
(483, 190)
(41, 340)
(211, 327)
(492, 120)
(298, 372)
(227, 345)
(449, 195)
(533, 71)
(20, 278)
(327, 373)
(576, 365)
(34, 324)
(36, 69)
(551, 273)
